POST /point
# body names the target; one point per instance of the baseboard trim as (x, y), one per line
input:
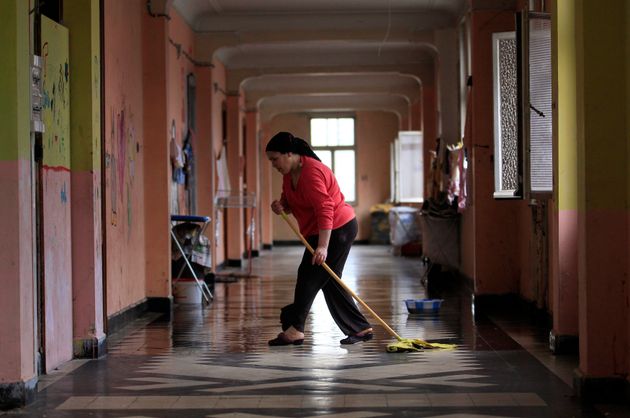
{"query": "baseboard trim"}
(17, 394)
(234, 263)
(162, 305)
(563, 344)
(286, 243)
(121, 318)
(487, 304)
(290, 242)
(600, 389)
(89, 348)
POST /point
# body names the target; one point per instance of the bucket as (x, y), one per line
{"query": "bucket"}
(415, 306)
(186, 291)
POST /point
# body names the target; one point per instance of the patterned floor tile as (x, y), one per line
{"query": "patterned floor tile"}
(214, 361)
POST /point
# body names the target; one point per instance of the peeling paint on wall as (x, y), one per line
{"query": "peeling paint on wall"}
(56, 109)
(121, 162)
(64, 194)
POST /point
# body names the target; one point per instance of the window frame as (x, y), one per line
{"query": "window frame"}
(333, 148)
(525, 106)
(500, 192)
(397, 179)
(523, 115)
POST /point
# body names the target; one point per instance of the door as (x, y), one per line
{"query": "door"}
(54, 213)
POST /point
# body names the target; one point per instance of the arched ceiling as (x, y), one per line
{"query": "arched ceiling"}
(309, 6)
(322, 55)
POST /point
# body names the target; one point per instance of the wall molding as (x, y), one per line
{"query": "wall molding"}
(18, 394)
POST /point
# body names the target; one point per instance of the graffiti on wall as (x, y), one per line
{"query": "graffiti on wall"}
(121, 165)
(56, 101)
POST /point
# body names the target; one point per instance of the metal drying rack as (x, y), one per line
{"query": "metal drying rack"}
(232, 200)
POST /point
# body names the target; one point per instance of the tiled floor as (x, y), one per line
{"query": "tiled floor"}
(214, 361)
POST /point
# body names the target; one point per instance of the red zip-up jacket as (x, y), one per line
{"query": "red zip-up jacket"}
(317, 202)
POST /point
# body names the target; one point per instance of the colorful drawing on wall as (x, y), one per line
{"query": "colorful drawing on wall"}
(122, 166)
(56, 96)
(56, 197)
(64, 193)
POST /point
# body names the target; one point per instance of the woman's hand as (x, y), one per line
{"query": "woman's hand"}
(319, 256)
(277, 207)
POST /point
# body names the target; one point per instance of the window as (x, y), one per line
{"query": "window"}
(407, 167)
(523, 128)
(506, 144)
(538, 127)
(332, 140)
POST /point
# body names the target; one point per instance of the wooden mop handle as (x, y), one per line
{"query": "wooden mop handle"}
(345, 286)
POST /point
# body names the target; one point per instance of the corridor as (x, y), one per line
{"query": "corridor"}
(215, 362)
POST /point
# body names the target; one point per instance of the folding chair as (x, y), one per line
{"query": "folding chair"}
(204, 220)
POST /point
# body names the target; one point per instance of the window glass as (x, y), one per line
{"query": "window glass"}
(333, 132)
(325, 156)
(408, 163)
(345, 173)
(318, 132)
(346, 131)
(332, 140)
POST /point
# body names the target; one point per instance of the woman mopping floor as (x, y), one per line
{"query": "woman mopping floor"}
(311, 193)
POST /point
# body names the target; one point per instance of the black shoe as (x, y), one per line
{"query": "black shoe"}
(282, 339)
(353, 339)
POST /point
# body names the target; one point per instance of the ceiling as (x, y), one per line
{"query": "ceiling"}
(328, 55)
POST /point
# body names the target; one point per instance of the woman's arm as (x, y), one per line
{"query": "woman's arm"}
(321, 252)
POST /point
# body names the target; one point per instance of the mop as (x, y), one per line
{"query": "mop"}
(402, 344)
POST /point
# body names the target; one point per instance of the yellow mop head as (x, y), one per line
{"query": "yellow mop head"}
(405, 345)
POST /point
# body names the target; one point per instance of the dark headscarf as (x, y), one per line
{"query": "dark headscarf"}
(284, 142)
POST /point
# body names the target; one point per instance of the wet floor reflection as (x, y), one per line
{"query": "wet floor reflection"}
(245, 313)
(214, 360)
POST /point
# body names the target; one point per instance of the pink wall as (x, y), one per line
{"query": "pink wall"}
(253, 157)
(157, 176)
(88, 313)
(266, 192)
(603, 290)
(375, 131)
(57, 265)
(178, 69)
(236, 163)
(496, 245)
(525, 252)
(218, 101)
(203, 144)
(16, 330)
(124, 143)
(568, 272)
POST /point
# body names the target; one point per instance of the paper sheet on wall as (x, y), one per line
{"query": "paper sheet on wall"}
(223, 180)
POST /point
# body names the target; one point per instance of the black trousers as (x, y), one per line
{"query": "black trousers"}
(313, 278)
